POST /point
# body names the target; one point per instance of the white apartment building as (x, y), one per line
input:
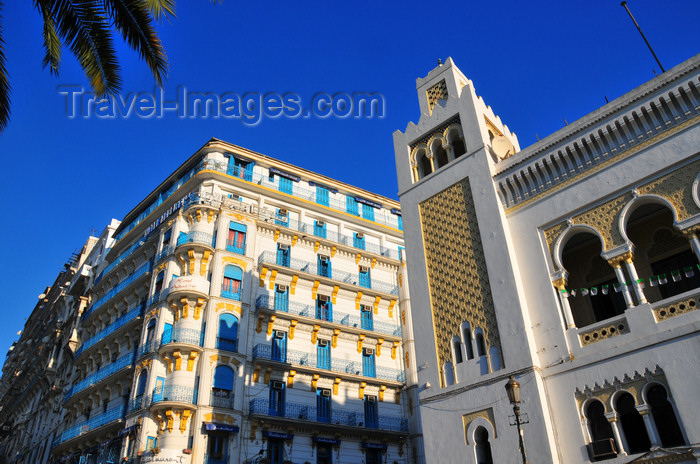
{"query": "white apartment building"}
(248, 311)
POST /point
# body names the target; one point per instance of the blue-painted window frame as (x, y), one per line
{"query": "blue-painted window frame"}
(324, 267)
(351, 206)
(323, 406)
(323, 355)
(322, 196)
(369, 366)
(320, 230)
(371, 412)
(367, 317)
(281, 299)
(324, 310)
(358, 242)
(278, 351)
(282, 255)
(368, 212)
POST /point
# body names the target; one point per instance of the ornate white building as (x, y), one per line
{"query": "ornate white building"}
(571, 265)
(247, 311)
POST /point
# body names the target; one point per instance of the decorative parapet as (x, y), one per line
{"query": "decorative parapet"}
(608, 330)
(676, 308)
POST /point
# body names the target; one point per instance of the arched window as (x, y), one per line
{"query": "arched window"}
(598, 424)
(159, 282)
(480, 345)
(233, 275)
(588, 271)
(632, 424)
(662, 253)
(235, 241)
(457, 347)
(424, 163)
(467, 337)
(440, 154)
(150, 330)
(482, 446)
(222, 387)
(458, 146)
(664, 417)
(141, 383)
(227, 338)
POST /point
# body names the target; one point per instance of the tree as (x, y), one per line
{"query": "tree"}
(85, 27)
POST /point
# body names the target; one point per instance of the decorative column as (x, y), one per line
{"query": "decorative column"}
(450, 151)
(619, 436)
(645, 412)
(414, 170)
(632, 271)
(560, 285)
(692, 234)
(431, 157)
(616, 263)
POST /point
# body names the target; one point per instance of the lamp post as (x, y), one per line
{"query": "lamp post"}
(513, 391)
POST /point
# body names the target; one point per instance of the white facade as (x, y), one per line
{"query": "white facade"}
(571, 265)
(252, 311)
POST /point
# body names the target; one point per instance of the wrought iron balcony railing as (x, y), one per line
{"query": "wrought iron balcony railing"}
(302, 358)
(167, 251)
(113, 327)
(96, 422)
(270, 257)
(137, 403)
(196, 236)
(347, 417)
(155, 298)
(101, 374)
(182, 335)
(235, 247)
(227, 344)
(146, 349)
(221, 399)
(292, 307)
(231, 295)
(178, 393)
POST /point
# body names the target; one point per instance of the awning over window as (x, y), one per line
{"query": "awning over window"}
(233, 272)
(236, 226)
(215, 426)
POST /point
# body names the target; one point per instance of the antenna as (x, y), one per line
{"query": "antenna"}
(624, 4)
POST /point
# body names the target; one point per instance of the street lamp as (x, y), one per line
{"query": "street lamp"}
(513, 391)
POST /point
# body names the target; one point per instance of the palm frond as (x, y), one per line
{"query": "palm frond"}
(161, 9)
(4, 82)
(52, 43)
(83, 26)
(132, 19)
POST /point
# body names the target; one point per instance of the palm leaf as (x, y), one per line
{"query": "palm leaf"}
(132, 19)
(4, 82)
(52, 43)
(83, 26)
(161, 9)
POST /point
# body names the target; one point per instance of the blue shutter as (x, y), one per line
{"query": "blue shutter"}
(281, 299)
(277, 401)
(248, 174)
(233, 272)
(167, 336)
(351, 205)
(367, 319)
(320, 230)
(236, 226)
(371, 413)
(227, 338)
(279, 346)
(400, 221)
(358, 242)
(323, 406)
(368, 365)
(323, 358)
(286, 185)
(322, 196)
(223, 378)
(281, 220)
(368, 212)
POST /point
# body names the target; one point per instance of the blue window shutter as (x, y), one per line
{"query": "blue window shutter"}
(236, 226)
(351, 205)
(223, 378)
(368, 212)
(233, 272)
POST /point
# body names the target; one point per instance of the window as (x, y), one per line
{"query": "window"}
(167, 336)
(632, 424)
(159, 283)
(351, 206)
(324, 454)
(232, 282)
(158, 390)
(323, 355)
(457, 348)
(601, 431)
(275, 450)
(151, 442)
(323, 405)
(368, 363)
(286, 185)
(371, 412)
(366, 317)
(440, 154)
(320, 229)
(279, 346)
(150, 331)
(358, 240)
(282, 217)
(282, 255)
(141, 383)
(467, 337)
(324, 308)
(240, 168)
(277, 398)
(166, 238)
(368, 212)
(482, 446)
(664, 417)
(217, 448)
(399, 221)
(222, 387)
(324, 266)
(236, 238)
(322, 196)
(281, 298)
(373, 456)
(480, 345)
(365, 279)
(227, 338)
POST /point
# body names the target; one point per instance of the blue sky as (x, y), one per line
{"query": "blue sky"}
(535, 63)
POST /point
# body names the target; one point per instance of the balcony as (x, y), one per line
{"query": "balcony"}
(125, 254)
(196, 236)
(294, 189)
(182, 336)
(143, 270)
(270, 257)
(146, 349)
(221, 399)
(110, 329)
(155, 299)
(300, 358)
(231, 295)
(174, 394)
(136, 404)
(167, 251)
(96, 422)
(342, 417)
(348, 320)
(101, 374)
